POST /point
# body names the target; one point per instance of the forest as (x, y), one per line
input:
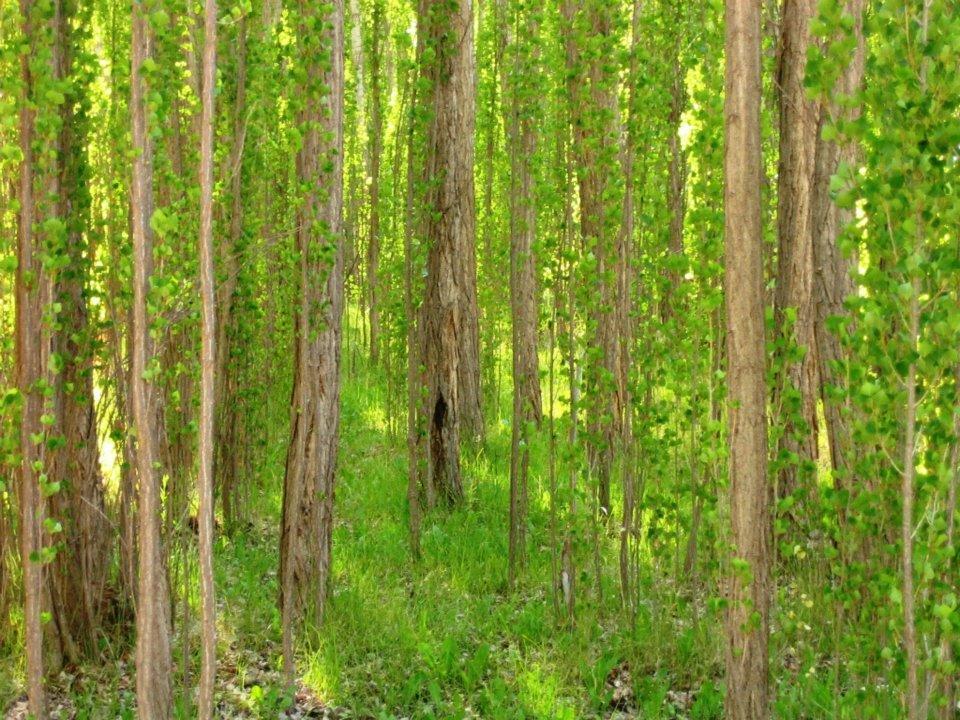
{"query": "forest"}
(507, 359)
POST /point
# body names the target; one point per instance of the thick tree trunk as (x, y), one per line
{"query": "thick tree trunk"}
(208, 356)
(153, 595)
(450, 333)
(524, 293)
(78, 573)
(832, 279)
(749, 590)
(308, 488)
(794, 290)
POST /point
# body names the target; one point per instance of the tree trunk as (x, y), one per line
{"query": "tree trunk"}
(907, 495)
(677, 168)
(794, 289)
(594, 115)
(227, 451)
(308, 487)
(450, 332)
(524, 293)
(78, 573)
(208, 357)
(34, 293)
(832, 280)
(153, 595)
(749, 590)
(415, 474)
(375, 137)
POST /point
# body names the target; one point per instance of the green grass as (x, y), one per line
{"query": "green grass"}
(442, 637)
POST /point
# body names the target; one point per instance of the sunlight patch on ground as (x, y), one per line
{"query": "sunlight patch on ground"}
(538, 693)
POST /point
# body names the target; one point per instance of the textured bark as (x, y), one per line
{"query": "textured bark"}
(34, 292)
(794, 289)
(122, 427)
(749, 589)
(450, 331)
(308, 487)
(832, 271)
(153, 594)
(208, 356)
(524, 293)
(228, 451)
(78, 573)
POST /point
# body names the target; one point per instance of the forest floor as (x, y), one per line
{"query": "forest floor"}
(440, 639)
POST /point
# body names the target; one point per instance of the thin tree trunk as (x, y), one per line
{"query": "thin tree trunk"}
(908, 490)
(415, 475)
(208, 358)
(624, 307)
(906, 526)
(677, 168)
(568, 562)
(594, 118)
(34, 292)
(524, 292)
(946, 649)
(153, 596)
(307, 524)
(227, 450)
(375, 135)
(749, 589)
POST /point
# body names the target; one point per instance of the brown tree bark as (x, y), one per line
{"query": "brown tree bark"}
(747, 621)
(153, 659)
(7, 542)
(524, 292)
(308, 489)
(795, 277)
(34, 293)
(450, 330)
(907, 495)
(677, 168)
(625, 311)
(78, 572)
(832, 271)
(227, 451)
(208, 357)
(415, 450)
(375, 137)
(591, 87)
